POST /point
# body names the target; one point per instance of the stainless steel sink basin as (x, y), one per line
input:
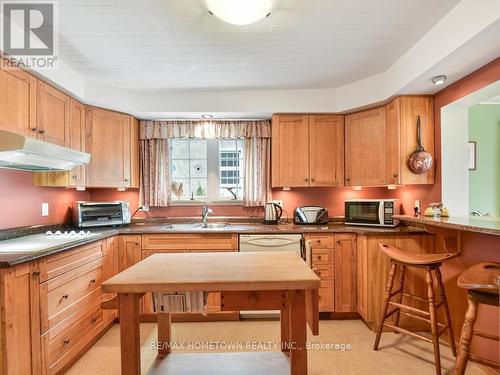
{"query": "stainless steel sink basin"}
(196, 226)
(215, 226)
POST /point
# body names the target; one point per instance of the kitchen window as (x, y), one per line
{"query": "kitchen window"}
(206, 170)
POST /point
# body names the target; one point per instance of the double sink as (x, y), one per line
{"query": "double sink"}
(196, 226)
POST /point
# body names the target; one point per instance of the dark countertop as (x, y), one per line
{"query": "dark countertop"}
(467, 223)
(19, 249)
(23, 249)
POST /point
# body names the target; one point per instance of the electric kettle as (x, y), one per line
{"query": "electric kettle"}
(273, 213)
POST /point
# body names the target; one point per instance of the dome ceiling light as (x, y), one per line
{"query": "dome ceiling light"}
(240, 12)
(439, 80)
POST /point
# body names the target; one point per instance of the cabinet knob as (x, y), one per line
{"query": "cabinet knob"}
(313, 180)
(347, 180)
(66, 341)
(36, 273)
(65, 296)
(126, 180)
(34, 129)
(94, 319)
(41, 131)
(306, 179)
(395, 175)
(338, 241)
(92, 281)
(73, 176)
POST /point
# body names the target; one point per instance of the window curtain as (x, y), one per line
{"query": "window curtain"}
(155, 160)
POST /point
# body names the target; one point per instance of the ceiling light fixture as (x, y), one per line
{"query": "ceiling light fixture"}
(240, 12)
(439, 80)
(206, 116)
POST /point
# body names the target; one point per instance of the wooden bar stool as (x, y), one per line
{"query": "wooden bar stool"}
(429, 262)
(482, 282)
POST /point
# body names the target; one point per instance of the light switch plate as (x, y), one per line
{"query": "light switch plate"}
(45, 209)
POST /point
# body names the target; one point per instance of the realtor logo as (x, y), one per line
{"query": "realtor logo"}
(29, 34)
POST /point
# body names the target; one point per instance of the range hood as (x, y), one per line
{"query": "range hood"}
(29, 154)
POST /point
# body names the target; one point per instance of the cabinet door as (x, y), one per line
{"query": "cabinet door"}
(77, 139)
(393, 162)
(345, 273)
(129, 251)
(365, 148)
(326, 150)
(134, 153)
(52, 115)
(290, 150)
(362, 276)
(21, 327)
(18, 102)
(107, 140)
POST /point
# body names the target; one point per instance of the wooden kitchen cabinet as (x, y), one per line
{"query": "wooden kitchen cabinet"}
(110, 268)
(75, 177)
(307, 150)
(365, 143)
(129, 250)
(53, 115)
(373, 271)
(402, 132)
(20, 329)
(322, 262)
(112, 140)
(18, 102)
(326, 150)
(345, 291)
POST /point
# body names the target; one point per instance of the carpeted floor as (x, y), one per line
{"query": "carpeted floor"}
(353, 354)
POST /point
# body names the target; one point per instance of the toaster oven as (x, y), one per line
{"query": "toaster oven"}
(310, 215)
(99, 214)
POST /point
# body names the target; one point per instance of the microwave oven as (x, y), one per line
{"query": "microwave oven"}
(372, 212)
(97, 214)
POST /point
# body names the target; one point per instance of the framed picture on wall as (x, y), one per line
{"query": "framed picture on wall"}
(471, 155)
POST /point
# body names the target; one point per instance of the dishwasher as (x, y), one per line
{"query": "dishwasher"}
(272, 242)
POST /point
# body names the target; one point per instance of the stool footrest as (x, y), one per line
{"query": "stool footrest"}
(409, 308)
(443, 328)
(392, 312)
(396, 292)
(405, 331)
(416, 297)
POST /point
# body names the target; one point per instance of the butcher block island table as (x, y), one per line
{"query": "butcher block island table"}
(247, 281)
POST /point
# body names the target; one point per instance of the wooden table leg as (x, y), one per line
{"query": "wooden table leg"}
(298, 332)
(164, 333)
(285, 327)
(130, 340)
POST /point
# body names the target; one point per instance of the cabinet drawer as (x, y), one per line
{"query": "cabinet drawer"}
(61, 340)
(324, 272)
(322, 256)
(58, 264)
(62, 296)
(202, 241)
(320, 241)
(325, 296)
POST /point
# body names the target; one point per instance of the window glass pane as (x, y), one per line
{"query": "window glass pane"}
(198, 168)
(180, 189)
(198, 149)
(180, 148)
(231, 168)
(180, 169)
(199, 188)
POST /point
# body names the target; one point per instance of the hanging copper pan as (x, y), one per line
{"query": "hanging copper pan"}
(420, 161)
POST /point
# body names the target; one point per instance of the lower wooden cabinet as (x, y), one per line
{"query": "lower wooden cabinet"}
(373, 271)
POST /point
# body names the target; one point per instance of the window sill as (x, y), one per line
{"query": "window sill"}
(207, 202)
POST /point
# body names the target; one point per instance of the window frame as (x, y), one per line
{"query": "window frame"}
(213, 178)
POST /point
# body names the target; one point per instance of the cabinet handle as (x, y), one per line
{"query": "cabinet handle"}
(319, 257)
(92, 281)
(318, 241)
(41, 131)
(36, 273)
(395, 175)
(347, 180)
(34, 129)
(306, 179)
(65, 296)
(313, 180)
(73, 176)
(338, 241)
(94, 319)
(126, 180)
(66, 341)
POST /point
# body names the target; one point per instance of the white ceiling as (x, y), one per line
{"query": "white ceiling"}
(157, 45)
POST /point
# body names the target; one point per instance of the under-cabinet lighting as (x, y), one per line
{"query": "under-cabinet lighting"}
(206, 116)
(392, 187)
(80, 188)
(287, 188)
(121, 189)
(357, 188)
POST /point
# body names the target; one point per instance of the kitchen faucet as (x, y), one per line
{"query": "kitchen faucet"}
(205, 211)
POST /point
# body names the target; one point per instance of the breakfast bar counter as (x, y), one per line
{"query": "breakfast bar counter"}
(247, 281)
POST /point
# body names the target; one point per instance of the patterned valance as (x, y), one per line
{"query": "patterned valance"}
(205, 129)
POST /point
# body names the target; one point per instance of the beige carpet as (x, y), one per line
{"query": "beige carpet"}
(397, 355)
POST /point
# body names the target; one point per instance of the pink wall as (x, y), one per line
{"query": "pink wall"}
(331, 198)
(21, 202)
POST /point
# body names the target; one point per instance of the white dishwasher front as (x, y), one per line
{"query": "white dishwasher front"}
(269, 242)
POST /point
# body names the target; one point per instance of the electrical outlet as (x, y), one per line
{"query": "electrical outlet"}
(279, 202)
(144, 208)
(45, 209)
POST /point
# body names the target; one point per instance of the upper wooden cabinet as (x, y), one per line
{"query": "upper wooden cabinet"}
(53, 107)
(379, 141)
(365, 148)
(112, 140)
(307, 150)
(18, 102)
